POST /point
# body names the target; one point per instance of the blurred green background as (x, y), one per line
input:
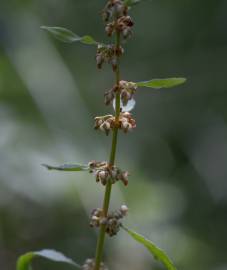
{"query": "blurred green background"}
(177, 157)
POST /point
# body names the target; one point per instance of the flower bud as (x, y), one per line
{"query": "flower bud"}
(114, 63)
(125, 125)
(102, 175)
(94, 218)
(99, 61)
(105, 127)
(124, 177)
(124, 209)
(109, 29)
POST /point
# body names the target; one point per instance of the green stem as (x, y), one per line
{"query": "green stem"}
(106, 202)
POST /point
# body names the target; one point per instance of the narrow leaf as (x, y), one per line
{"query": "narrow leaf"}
(68, 167)
(162, 83)
(62, 34)
(24, 261)
(154, 250)
(68, 36)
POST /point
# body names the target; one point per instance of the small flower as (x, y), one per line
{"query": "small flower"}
(108, 54)
(104, 173)
(126, 89)
(89, 264)
(112, 221)
(127, 123)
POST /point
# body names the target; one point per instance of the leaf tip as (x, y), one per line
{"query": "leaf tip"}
(43, 27)
(48, 167)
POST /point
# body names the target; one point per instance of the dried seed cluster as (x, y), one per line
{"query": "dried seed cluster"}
(126, 89)
(108, 122)
(108, 54)
(114, 9)
(90, 265)
(115, 14)
(105, 173)
(112, 221)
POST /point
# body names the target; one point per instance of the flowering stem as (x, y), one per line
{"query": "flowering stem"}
(106, 202)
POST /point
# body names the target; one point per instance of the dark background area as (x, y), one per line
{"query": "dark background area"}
(177, 157)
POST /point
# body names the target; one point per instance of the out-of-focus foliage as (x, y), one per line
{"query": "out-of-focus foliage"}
(177, 156)
(24, 261)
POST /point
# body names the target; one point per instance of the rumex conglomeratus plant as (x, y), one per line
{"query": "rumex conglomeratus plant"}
(118, 24)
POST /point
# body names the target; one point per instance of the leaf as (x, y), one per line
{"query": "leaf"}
(24, 261)
(62, 34)
(68, 36)
(67, 167)
(154, 250)
(162, 83)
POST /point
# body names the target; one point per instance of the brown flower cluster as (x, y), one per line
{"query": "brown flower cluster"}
(104, 173)
(112, 221)
(114, 9)
(90, 265)
(115, 14)
(108, 54)
(126, 89)
(108, 122)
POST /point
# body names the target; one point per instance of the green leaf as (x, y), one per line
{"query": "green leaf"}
(62, 34)
(68, 36)
(24, 261)
(67, 167)
(154, 250)
(162, 83)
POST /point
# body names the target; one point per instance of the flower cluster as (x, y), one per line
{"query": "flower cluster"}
(90, 265)
(109, 122)
(104, 173)
(122, 23)
(111, 221)
(126, 89)
(108, 54)
(114, 9)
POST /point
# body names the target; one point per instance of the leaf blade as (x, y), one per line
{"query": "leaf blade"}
(67, 36)
(158, 254)
(25, 260)
(67, 167)
(162, 83)
(62, 34)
